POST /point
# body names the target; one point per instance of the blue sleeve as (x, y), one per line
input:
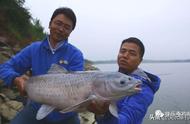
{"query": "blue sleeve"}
(133, 109)
(16, 66)
(77, 62)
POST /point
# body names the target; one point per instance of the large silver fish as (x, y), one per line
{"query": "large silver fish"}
(73, 91)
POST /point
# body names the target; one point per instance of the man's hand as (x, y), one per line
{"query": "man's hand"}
(99, 108)
(20, 83)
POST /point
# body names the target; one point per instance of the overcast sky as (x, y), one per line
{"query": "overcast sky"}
(162, 25)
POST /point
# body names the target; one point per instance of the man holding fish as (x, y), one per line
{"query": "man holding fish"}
(132, 109)
(38, 57)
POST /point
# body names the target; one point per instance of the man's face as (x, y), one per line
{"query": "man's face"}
(129, 57)
(60, 28)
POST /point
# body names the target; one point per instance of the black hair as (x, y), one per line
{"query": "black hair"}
(67, 12)
(137, 42)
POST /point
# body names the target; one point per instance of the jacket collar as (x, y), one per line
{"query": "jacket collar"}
(46, 45)
(140, 73)
(153, 80)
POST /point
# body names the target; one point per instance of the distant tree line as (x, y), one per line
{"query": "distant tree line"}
(17, 24)
(144, 61)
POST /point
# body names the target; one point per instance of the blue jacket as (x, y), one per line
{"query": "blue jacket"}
(38, 57)
(131, 110)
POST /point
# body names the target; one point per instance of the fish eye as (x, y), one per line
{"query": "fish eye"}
(122, 82)
(129, 79)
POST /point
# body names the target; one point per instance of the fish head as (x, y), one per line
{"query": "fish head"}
(117, 85)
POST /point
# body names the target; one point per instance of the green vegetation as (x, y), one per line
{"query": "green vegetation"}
(17, 25)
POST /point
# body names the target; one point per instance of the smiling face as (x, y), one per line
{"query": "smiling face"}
(129, 57)
(60, 28)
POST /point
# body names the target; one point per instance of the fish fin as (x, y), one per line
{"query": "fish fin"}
(44, 111)
(70, 109)
(113, 109)
(55, 68)
(79, 107)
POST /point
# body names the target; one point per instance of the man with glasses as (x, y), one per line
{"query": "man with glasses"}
(39, 56)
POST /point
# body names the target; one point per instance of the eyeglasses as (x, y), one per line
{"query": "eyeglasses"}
(59, 25)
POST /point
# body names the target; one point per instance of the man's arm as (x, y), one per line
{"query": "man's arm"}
(16, 66)
(133, 109)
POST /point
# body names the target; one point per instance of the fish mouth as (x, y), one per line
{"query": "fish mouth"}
(137, 87)
(132, 90)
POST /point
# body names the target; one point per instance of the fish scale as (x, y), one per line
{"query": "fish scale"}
(64, 86)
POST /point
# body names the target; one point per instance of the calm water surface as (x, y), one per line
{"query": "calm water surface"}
(174, 93)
